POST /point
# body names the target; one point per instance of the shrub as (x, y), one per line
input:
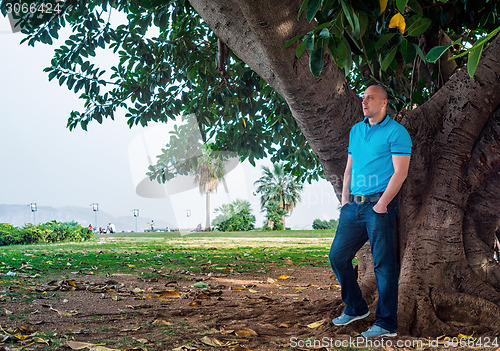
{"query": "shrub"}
(236, 216)
(9, 235)
(47, 232)
(274, 216)
(32, 234)
(331, 224)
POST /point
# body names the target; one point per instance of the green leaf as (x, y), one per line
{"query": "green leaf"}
(324, 34)
(61, 80)
(302, 46)
(415, 6)
(473, 61)
(419, 27)
(436, 52)
(352, 18)
(340, 53)
(389, 58)
(384, 40)
(201, 285)
(408, 50)
(401, 5)
(312, 8)
(363, 24)
(419, 52)
(302, 8)
(316, 60)
(310, 44)
(52, 75)
(478, 43)
(291, 41)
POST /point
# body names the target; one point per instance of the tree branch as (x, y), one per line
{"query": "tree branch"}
(325, 108)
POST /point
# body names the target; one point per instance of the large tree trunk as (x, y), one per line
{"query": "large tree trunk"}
(449, 203)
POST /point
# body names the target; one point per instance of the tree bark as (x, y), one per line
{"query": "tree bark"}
(449, 203)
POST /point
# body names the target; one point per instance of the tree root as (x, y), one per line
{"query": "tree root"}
(465, 309)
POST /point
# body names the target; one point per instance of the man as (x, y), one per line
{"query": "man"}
(377, 165)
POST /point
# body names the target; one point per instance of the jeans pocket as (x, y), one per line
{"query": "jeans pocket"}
(378, 213)
(345, 205)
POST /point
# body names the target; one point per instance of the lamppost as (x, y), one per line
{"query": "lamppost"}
(188, 215)
(34, 208)
(95, 208)
(136, 214)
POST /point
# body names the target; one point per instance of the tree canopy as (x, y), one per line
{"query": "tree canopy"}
(168, 63)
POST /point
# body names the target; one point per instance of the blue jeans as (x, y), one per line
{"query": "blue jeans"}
(357, 224)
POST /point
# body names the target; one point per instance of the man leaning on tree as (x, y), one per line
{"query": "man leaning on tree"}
(377, 165)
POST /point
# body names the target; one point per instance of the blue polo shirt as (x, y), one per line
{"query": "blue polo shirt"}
(372, 148)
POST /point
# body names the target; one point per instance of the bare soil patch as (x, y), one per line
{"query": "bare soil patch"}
(254, 311)
(286, 308)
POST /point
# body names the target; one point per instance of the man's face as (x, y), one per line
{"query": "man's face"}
(374, 102)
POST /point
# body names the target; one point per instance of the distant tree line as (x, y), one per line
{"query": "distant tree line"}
(324, 224)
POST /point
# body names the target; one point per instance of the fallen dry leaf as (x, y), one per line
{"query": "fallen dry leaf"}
(463, 336)
(161, 322)
(284, 276)
(65, 313)
(170, 295)
(101, 348)
(142, 340)
(272, 281)
(246, 332)
(40, 340)
(284, 325)
(225, 331)
(74, 330)
(315, 324)
(210, 341)
(77, 345)
(253, 291)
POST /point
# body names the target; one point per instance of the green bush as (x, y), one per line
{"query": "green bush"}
(9, 235)
(236, 216)
(274, 216)
(331, 224)
(32, 234)
(50, 232)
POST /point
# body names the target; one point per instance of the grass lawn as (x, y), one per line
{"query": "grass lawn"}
(127, 252)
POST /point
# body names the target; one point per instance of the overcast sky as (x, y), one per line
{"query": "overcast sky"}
(43, 162)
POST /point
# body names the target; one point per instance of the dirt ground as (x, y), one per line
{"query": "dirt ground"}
(286, 309)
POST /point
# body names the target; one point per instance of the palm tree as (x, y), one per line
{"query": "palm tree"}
(277, 185)
(209, 170)
(186, 154)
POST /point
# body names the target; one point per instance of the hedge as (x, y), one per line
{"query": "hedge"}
(50, 232)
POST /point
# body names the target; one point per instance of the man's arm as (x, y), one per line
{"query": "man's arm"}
(346, 186)
(401, 164)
